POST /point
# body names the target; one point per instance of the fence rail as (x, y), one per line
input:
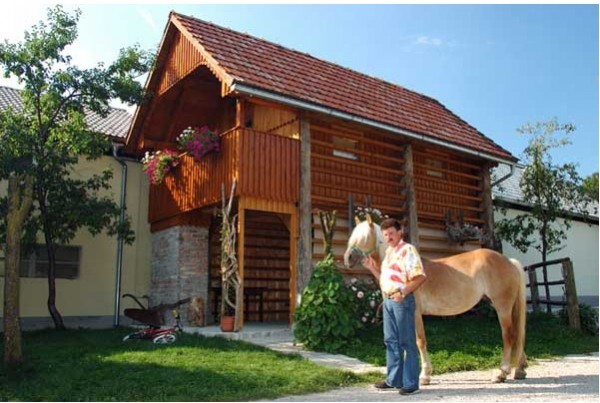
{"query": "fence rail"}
(570, 293)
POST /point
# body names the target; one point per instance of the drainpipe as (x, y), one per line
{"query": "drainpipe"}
(505, 177)
(119, 262)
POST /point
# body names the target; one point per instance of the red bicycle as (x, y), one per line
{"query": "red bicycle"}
(152, 317)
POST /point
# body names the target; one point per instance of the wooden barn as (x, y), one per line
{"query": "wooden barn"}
(299, 135)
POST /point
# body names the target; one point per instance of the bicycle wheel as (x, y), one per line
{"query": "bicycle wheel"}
(167, 338)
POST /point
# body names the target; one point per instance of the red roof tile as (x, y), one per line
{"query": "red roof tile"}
(268, 66)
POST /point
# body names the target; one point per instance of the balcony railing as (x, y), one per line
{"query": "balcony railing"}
(266, 166)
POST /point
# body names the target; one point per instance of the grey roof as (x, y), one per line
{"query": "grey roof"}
(115, 124)
(510, 190)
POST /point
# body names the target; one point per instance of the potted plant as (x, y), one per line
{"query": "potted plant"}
(198, 142)
(159, 163)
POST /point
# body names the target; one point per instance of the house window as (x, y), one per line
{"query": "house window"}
(35, 264)
(345, 148)
(434, 168)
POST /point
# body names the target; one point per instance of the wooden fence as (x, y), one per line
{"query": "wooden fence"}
(569, 298)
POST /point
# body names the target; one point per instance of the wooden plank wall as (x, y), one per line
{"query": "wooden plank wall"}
(445, 181)
(269, 166)
(183, 58)
(376, 171)
(266, 264)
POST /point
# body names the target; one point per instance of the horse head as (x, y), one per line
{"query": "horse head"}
(364, 241)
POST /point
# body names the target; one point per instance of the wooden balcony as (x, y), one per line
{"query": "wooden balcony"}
(267, 166)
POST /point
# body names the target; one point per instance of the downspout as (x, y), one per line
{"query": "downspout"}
(505, 177)
(119, 262)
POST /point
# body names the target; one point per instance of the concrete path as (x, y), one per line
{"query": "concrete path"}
(570, 378)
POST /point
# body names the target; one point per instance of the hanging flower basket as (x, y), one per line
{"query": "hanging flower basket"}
(198, 142)
(159, 163)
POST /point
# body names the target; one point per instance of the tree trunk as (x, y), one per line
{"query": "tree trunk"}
(50, 250)
(20, 199)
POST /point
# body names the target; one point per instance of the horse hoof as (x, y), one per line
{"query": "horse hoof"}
(501, 377)
(520, 374)
(424, 381)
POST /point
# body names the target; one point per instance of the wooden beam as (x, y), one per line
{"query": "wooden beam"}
(487, 205)
(240, 246)
(411, 198)
(240, 112)
(304, 250)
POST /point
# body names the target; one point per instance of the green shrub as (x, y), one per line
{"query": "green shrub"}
(367, 298)
(588, 316)
(326, 319)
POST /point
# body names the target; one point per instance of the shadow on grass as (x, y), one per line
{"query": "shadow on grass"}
(97, 365)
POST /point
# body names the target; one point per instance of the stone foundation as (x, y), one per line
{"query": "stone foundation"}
(180, 267)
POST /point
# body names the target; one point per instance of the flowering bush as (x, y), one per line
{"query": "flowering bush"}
(159, 163)
(368, 299)
(198, 141)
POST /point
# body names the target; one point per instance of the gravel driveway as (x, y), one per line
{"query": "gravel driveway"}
(570, 378)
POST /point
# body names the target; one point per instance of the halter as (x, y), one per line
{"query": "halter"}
(363, 252)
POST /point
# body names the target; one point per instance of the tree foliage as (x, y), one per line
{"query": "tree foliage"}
(45, 136)
(590, 186)
(552, 191)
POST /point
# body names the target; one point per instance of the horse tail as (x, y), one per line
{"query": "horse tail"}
(519, 316)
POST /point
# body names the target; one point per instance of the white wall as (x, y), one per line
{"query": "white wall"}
(581, 246)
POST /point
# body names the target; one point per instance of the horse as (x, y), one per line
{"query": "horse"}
(454, 285)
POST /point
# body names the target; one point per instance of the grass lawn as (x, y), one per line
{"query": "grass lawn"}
(471, 343)
(96, 365)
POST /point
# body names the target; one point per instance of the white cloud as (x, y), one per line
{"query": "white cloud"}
(147, 17)
(426, 40)
(437, 42)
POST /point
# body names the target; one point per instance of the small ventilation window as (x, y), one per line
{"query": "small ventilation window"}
(343, 148)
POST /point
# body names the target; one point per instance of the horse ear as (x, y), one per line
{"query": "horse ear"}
(356, 220)
(369, 219)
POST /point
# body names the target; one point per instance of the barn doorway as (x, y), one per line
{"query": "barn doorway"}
(266, 268)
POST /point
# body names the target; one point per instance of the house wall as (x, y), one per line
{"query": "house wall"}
(92, 294)
(581, 247)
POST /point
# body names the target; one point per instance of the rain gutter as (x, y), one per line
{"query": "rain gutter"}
(245, 89)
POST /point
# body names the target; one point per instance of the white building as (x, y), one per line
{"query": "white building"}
(581, 245)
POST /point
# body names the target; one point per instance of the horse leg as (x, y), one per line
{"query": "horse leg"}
(507, 341)
(520, 370)
(425, 376)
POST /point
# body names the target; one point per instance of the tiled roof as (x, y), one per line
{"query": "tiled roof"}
(115, 125)
(265, 65)
(510, 190)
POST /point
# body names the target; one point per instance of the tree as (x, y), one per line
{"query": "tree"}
(590, 186)
(552, 191)
(48, 135)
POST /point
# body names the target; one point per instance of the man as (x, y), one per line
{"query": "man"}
(400, 274)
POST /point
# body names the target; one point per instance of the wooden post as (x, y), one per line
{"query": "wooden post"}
(304, 262)
(533, 289)
(240, 113)
(239, 317)
(488, 207)
(411, 198)
(571, 293)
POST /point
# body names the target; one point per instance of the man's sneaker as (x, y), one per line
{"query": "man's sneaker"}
(383, 385)
(409, 391)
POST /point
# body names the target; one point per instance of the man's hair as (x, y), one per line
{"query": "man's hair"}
(391, 222)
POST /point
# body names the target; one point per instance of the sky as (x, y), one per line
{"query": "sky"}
(497, 67)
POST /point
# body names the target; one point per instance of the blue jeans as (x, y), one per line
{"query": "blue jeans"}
(402, 355)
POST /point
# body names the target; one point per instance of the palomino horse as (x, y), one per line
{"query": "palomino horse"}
(454, 285)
